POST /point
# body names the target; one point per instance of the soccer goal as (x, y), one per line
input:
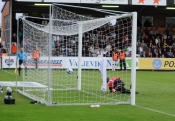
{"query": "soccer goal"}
(82, 43)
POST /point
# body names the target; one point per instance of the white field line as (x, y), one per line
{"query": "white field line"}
(153, 110)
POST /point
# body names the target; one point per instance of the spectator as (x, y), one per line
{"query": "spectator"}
(156, 32)
(14, 38)
(13, 49)
(139, 35)
(99, 53)
(145, 48)
(165, 53)
(150, 43)
(154, 52)
(164, 36)
(153, 39)
(151, 32)
(173, 44)
(143, 43)
(157, 40)
(165, 45)
(109, 53)
(144, 36)
(160, 52)
(170, 54)
(96, 47)
(143, 54)
(108, 47)
(169, 41)
(129, 50)
(101, 44)
(149, 53)
(163, 56)
(92, 50)
(83, 52)
(53, 43)
(140, 49)
(173, 50)
(94, 37)
(104, 52)
(157, 55)
(66, 51)
(159, 44)
(138, 42)
(3, 50)
(125, 38)
(90, 54)
(87, 52)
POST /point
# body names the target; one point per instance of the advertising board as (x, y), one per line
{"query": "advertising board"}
(64, 62)
(157, 63)
(105, 1)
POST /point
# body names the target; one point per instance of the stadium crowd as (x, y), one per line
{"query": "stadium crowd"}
(104, 40)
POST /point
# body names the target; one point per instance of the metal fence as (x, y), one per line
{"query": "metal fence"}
(7, 32)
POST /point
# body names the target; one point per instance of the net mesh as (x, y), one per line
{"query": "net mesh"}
(99, 39)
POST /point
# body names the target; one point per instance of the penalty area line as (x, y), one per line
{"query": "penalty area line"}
(153, 110)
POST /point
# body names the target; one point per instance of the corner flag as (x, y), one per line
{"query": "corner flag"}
(102, 68)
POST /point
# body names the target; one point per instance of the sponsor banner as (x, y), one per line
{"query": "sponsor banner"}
(157, 63)
(80, 1)
(64, 62)
(8, 61)
(149, 2)
(105, 1)
(58, 1)
(63, 1)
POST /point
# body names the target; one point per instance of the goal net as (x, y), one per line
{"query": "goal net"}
(68, 40)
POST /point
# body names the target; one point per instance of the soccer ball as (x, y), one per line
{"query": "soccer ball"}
(69, 70)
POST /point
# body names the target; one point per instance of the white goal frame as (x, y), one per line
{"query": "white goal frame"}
(80, 32)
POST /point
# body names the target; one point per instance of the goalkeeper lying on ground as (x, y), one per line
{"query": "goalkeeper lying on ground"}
(117, 85)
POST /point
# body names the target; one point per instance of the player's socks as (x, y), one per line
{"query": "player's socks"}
(19, 70)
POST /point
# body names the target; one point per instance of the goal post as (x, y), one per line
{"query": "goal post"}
(49, 57)
(134, 47)
(80, 27)
(70, 40)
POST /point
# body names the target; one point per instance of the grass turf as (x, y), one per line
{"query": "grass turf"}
(156, 92)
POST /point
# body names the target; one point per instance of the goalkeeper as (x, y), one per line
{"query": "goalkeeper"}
(117, 85)
(22, 56)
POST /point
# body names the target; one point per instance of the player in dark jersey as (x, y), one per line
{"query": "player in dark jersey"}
(117, 85)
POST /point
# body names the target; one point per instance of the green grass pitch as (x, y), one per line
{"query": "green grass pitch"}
(62, 83)
(155, 102)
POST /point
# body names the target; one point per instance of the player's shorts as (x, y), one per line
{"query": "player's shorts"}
(22, 62)
(115, 62)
